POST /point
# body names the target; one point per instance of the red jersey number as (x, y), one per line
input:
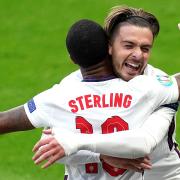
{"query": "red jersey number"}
(112, 124)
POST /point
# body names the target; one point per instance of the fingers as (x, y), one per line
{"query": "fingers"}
(40, 156)
(143, 163)
(47, 149)
(133, 167)
(138, 165)
(52, 156)
(41, 142)
(41, 151)
(51, 161)
(145, 166)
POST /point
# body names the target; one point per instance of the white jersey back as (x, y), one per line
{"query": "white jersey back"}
(100, 107)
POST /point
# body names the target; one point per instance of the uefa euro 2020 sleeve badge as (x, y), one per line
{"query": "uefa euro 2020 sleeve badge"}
(165, 80)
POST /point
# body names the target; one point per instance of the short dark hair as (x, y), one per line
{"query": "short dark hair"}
(87, 43)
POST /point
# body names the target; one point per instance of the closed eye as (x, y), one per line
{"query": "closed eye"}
(145, 49)
(128, 46)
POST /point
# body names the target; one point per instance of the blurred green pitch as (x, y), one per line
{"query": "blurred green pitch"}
(33, 58)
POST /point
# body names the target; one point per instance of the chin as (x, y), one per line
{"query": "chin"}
(125, 76)
(128, 77)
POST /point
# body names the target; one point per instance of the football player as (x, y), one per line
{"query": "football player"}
(99, 105)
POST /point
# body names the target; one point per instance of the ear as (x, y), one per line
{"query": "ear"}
(110, 49)
(72, 59)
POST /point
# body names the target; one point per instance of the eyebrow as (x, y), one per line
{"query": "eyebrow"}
(130, 42)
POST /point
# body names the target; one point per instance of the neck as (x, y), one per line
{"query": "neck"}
(98, 71)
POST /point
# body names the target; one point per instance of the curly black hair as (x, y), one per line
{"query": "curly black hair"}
(87, 43)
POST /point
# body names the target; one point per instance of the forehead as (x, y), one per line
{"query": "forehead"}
(134, 34)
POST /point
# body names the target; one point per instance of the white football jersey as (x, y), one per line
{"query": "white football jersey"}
(100, 107)
(166, 156)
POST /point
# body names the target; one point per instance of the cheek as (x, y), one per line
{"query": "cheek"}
(123, 53)
(119, 55)
(117, 64)
(146, 59)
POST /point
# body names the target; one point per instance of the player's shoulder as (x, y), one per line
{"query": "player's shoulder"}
(74, 76)
(153, 71)
(70, 80)
(142, 81)
(66, 84)
(71, 83)
(159, 76)
(152, 82)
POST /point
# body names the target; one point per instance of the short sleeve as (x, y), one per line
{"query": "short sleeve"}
(40, 109)
(159, 89)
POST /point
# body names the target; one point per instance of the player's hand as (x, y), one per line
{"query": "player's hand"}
(47, 149)
(47, 131)
(138, 165)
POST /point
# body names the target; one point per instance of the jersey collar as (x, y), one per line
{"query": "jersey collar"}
(105, 78)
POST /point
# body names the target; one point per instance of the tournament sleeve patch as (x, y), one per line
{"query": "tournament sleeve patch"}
(165, 80)
(31, 105)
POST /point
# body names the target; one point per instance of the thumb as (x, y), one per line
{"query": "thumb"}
(47, 131)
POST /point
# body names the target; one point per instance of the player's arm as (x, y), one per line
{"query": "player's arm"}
(142, 136)
(127, 144)
(167, 112)
(177, 76)
(84, 157)
(49, 149)
(14, 120)
(81, 157)
(28, 116)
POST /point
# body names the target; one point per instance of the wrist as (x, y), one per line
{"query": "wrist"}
(101, 158)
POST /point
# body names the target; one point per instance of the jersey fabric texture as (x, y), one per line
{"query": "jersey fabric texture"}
(165, 157)
(100, 107)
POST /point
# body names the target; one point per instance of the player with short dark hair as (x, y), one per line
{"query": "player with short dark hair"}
(98, 44)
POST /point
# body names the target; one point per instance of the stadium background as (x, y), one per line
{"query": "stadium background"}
(33, 58)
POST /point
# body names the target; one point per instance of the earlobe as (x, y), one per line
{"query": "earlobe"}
(110, 50)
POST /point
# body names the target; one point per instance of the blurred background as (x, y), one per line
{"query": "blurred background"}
(33, 57)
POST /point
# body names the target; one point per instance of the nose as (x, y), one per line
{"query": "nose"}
(137, 53)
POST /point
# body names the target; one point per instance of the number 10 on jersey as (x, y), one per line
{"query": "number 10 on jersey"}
(110, 125)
